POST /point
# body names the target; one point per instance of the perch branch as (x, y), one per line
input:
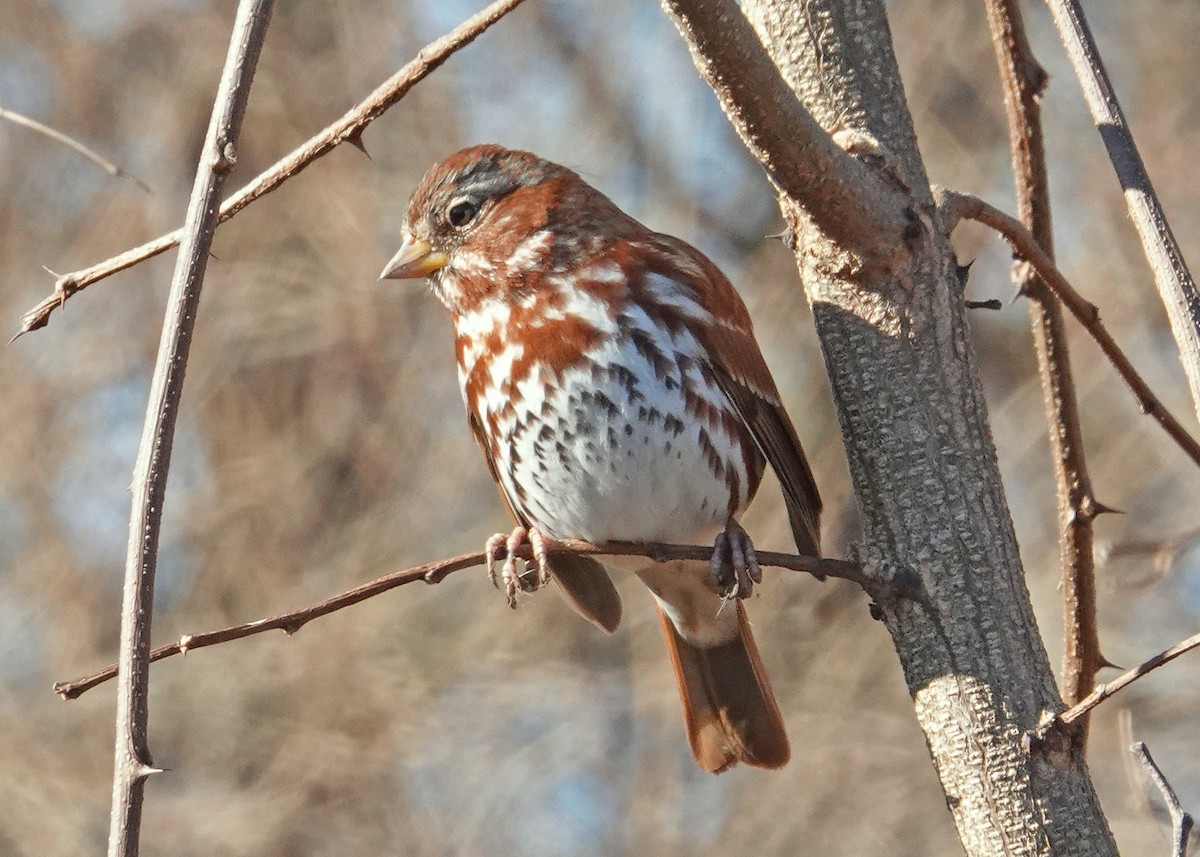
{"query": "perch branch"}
(1181, 821)
(133, 763)
(348, 128)
(847, 199)
(76, 146)
(435, 572)
(1023, 80)
(955, 206)
(1176, 287)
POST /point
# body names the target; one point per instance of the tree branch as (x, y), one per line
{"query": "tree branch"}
(846, 198)
(955, 206)
(133, 763)
(348, 128)
(1176, 287)
(1181, 822)
(1104, 691)
(74, 145)
(1023, 80)
(435, 572)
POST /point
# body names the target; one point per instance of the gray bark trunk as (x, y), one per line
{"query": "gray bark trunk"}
(923, 461)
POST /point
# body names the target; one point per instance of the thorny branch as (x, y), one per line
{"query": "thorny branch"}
(1023, 80)
(132, 763)
(347, 129)
(73, 144)
(954, 206)
(435, 572)
(1176, 287)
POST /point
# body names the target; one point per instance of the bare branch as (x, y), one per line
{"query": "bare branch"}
(1181, 822)
(1104, 691)
(133, 763)
(1023, 80)
(435, 572)
(347, 129)
(955, 206)
(76, 146)
(1176, 287)
(846, 198)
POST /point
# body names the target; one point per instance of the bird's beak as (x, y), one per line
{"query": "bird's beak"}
(415, 258)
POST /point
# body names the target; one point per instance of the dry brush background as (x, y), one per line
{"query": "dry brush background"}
(323, 443)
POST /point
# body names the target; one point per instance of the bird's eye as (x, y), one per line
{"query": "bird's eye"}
(462, 213)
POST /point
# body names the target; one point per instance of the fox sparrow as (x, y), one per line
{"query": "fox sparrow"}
(612, 377)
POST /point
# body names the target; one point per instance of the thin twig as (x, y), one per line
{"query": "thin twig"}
(1024, 80)
(1104, 691)
(1181, 821)
(133, 763)
(1176, 287)
(954, 206)
(847, 199)
(76, 146)
(347, 129)
(435, 572)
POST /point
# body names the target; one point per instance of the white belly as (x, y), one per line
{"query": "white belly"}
(609, 451)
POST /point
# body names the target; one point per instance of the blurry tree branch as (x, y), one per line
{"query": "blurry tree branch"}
(1163, 553)
(435, 572)
(955, 206)
(1176, 287)
(73, 144)
(911, 408)
(347, 129)
(864, 210)
(1181, 821)
(218, 155)
(1023, 80)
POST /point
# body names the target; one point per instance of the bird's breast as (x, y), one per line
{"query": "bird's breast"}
(607, 431)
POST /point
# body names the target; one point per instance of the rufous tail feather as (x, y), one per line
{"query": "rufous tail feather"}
(728, 708)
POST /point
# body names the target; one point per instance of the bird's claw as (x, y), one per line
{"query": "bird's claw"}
(512, 578)
(734, 565)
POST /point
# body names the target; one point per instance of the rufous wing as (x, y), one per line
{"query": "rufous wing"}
(742, 374)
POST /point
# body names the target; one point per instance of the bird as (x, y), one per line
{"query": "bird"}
(613, 381)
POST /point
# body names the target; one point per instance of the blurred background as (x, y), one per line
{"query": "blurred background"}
(322, 443)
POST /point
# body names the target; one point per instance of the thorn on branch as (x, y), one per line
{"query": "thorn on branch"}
(145, 771)
(1097, 509)
(963, 272)
(356, 141)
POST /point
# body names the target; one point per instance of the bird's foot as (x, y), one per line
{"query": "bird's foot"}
(515, 574)
(734, 564)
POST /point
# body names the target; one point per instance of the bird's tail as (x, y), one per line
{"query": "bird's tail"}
(728, 707)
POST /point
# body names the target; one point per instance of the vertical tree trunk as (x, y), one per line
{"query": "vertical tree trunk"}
(923, 461)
